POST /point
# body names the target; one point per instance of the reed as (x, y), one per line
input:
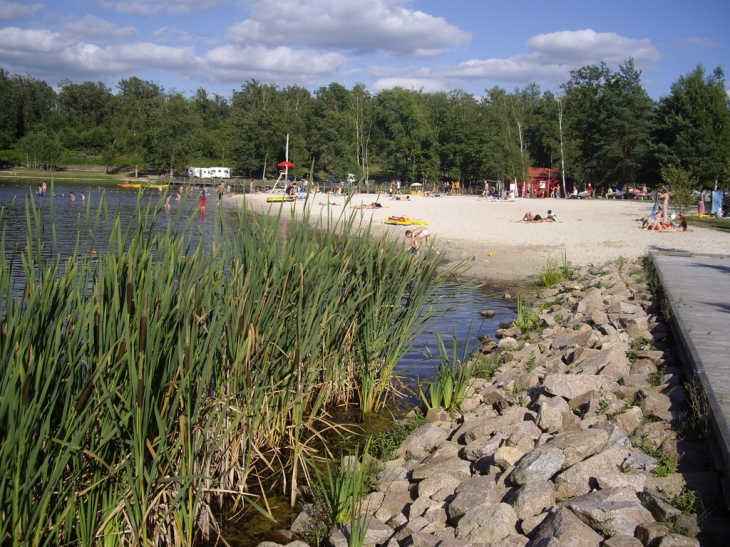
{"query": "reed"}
(148, 383)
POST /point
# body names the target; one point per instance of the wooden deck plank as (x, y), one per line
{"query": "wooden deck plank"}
(698, 291)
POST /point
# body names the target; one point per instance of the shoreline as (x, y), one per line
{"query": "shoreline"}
(501, 250)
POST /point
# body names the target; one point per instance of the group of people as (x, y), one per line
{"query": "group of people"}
(658, 220)
(550, 217)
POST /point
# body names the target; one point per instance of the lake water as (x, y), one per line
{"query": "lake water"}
(465, 300)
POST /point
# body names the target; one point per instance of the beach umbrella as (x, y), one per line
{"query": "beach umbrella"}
(416, 184)
(286, 164)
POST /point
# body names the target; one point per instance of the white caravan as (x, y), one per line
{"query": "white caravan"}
(209, 172)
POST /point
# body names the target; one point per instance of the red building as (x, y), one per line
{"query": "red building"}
(542, 182)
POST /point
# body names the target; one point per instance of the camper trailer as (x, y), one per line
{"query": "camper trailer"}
(209, 172)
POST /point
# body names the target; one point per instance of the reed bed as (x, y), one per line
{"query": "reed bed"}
(173, 371)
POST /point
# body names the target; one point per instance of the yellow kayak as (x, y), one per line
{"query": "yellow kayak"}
(405, 221)
(129, 185)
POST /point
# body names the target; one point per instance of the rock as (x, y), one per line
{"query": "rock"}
(554, 415)
(429, 486)
(371, 503)
(612, 358)
(590, 302)
(579, 445)
(675, 540)
(269, 544)
(479, 428)
(507, 456)
(539, 465)
(487, 314)
(507, 343)
(629, 420)
(574, 385)
(635, 481)
(613, 511)
(437, 415)
(651, 533)
(476, 491)
(394, 503)
(454, 466)
(622, 541)
(376, 533)
(652, 400)
(303, 523)
(420, 539)
(530, 523)
(487, 523)
(659, 504)
(297, 543)
(639, 460)
(572, 339)
(532, 498)
(422, 441)
(482, 447)
(580, 478)
(598, 317)
(563, 529)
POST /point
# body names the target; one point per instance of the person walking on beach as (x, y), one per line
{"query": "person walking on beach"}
(416, 236)
(202, 197)
(221, 189)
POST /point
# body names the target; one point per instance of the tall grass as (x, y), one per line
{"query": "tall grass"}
(147, 384)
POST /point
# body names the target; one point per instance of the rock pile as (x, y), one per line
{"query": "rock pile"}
(561, 447)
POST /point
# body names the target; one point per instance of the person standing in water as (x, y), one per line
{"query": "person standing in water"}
(202, 197)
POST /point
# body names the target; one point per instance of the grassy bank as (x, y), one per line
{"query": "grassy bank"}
(148, 383)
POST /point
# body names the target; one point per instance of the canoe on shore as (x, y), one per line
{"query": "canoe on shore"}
(404, 221)
(129, 185)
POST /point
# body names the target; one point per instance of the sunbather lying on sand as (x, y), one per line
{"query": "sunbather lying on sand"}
(656, 225)
(373, 205)
(529, 217)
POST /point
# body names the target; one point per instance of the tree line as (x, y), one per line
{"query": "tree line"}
(600, 127)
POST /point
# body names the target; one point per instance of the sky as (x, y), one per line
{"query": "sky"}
(434, 45)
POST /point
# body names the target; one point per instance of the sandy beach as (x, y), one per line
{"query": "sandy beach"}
(502, 250)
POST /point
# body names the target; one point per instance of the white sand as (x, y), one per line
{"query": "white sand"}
(464, 228)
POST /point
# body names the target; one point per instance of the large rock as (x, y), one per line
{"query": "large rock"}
(479, 428)
(487, 523)
(579, 445)
(612, 358)
(634, 481)
(532, 498)
(482, 447)
(613, 511)
(429, 486)
(539, 465)
(476, 491)
(564, 529)
(554, 415)
(376, 533)
(574, 385)
(394, 503)
(581, 478)
(422, 441)
(454, 466)
(572, 339)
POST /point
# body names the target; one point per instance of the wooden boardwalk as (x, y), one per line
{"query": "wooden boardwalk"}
(697, 288)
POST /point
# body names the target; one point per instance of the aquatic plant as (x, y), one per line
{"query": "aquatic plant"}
(150, 382)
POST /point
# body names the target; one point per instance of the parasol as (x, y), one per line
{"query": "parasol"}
(286, 164)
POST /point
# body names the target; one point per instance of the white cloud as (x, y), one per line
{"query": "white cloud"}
(54, 55)
(589, 46)
(697, 41)
(13, 10)
(93, 27)
(150, 7)
(234, 63)
(357, 26)
(551, 60)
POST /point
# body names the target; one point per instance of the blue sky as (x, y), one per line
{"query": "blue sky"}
(430, 44)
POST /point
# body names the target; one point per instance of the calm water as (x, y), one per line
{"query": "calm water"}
(69, 217)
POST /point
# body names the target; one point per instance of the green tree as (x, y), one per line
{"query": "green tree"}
(682, 183)
(42, 150)
(693, 125)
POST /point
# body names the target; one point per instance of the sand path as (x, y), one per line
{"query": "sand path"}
(503, 251)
